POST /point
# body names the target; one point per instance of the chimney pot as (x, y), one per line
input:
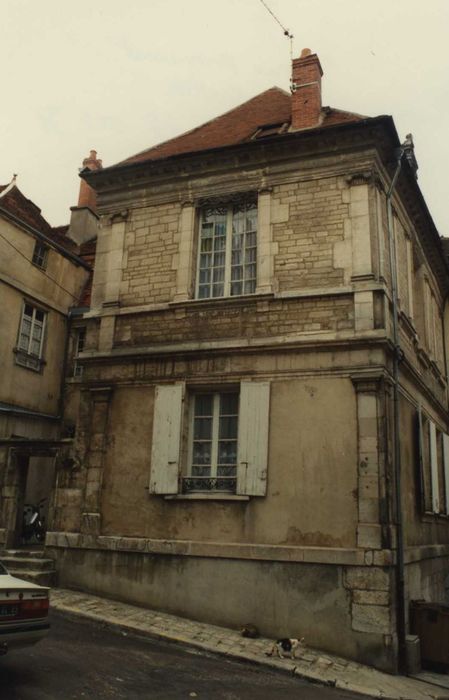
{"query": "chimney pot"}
(87, 196)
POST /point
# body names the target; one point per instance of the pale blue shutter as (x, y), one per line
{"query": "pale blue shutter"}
(252, 454)
(166, 443)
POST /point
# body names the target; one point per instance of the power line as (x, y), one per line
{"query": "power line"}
(76, 298)
(284, 29)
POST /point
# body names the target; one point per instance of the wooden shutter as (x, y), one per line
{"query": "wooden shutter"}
(446, 468)
(434, 467)
(420, 466)
(165, 449)
(252, 457)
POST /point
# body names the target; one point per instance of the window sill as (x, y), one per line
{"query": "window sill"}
(215, 301)
(216, 496)
(31, 362)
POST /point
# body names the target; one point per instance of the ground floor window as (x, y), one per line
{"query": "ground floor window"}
(210, 440)
(213, 436)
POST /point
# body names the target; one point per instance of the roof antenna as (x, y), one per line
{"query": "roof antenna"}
(284, 29)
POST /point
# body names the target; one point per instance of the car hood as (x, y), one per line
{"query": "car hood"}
(9, 581)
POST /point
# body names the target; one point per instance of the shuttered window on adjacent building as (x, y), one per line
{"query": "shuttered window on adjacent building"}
(433, 466)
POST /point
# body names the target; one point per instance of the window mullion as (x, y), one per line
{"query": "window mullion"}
(30, 341)
(41, 344)
(215, 426)
(228, 258)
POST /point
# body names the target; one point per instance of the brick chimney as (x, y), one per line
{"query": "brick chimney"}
(84, 221)
(87, 196)
(306, 90)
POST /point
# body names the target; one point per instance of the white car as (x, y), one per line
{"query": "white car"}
(23, 612)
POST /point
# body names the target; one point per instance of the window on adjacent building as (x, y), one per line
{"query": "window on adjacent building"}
(31, 337)
(227, 250)
(40, 255)
(226, 437)
(80, 341)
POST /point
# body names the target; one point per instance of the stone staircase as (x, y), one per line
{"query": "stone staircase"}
(29, 564)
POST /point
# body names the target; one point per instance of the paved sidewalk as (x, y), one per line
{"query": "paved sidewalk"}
(310, 664)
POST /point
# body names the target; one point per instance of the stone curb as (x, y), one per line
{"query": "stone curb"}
(321, 677)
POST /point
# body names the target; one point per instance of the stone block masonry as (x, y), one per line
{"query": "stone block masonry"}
(251, 319)
(151, 247)
(307, 238)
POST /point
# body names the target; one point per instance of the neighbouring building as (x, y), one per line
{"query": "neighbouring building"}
(44, 276)
(254, 315)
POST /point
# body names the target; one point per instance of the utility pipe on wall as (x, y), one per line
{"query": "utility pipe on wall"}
(406, 149)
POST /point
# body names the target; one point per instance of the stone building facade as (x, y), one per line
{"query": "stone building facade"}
(233, 452)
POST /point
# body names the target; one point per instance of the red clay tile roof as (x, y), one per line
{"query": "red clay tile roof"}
(272, 107)
(24, 209)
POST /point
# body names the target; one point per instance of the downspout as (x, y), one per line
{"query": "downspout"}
(397, 356)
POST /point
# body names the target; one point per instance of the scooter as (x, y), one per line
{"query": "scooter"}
(33, 524)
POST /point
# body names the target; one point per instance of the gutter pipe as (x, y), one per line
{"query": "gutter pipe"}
(405, 149)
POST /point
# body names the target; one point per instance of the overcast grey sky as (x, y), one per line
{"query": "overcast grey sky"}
(121, 76)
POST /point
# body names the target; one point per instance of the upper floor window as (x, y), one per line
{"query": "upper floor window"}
(227, 251)
(80, 341)
(31, 337)
(40, 255)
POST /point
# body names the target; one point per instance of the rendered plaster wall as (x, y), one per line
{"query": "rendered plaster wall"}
(37, 391)
(282, 599)
(21, 281)
(312, 477)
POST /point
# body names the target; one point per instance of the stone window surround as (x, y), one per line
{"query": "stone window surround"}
(189, 230)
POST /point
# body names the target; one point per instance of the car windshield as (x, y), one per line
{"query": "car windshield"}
(3, 570)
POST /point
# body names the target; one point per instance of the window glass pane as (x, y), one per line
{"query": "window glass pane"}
(35, 347)
(203, 405)
(204, 276)
(251, 239)
(24, 341)
(229, 404)
(236, 288)
(218, 275)
(237, 242)
(205, 261)
(227, 452)
(250, 287)
(201, 453)
(28, 311)
(207, 245)
(203, 291)
(236, 257)
(250, 255)
(228, 427)
(203, 429)
(217, 290)
(219, 260)
(207, 230)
